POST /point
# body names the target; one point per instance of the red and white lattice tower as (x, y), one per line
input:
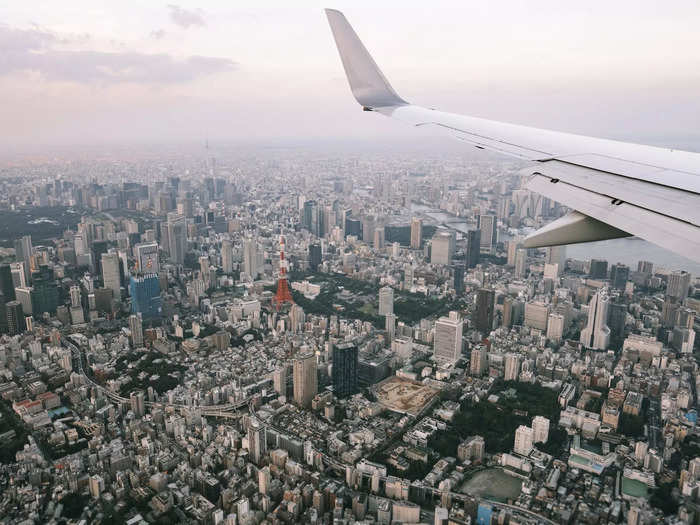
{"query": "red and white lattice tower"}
(283, 294)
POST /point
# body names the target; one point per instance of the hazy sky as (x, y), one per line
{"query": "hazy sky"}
(86, 71)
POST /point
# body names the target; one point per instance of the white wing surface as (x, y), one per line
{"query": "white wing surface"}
(617, 189)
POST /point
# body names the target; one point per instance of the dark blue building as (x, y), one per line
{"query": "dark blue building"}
(145, 296)
(345, 369)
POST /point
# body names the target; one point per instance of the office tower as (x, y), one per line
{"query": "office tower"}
(540, 429)
(145, 296)
(18, 278)
(7, 285)
(473, 252)
(310, 219)
(24, 251)
(489, 233)
(305, 379)
(556, 255)
(619, 275)
(297, 318)
(645, 267)
(386, 300)
(257, 441)
(314, 256)
(146, 255)
(44, 292)
(678, 284)
(15, 318)
(416, 233)
(98, 248)
(599, 269)
(227, 256)
(536, 315)
(682, 339)
(110, 273)
(3, 316)
(512, 367)
(616, 323)
(97, 486)
(353, 227)
(137, 401)
(177, 237)
(485, 300)
(513, 246)
(345, 359)
(443, 247)
(508, 312)
(458, 278)
(75, 296)
(479, 362)
(555, 327)
(379, 238)
(447, 344)
(250, 258)
(596, 334)
(390, 327)
(520, 263)
(279, 380)
(523, 440)
(136, 327)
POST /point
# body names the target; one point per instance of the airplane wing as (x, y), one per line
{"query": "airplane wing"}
(616, 189)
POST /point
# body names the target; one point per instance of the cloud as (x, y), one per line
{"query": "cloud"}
(186, 18)
(158, 34)
(34, 50)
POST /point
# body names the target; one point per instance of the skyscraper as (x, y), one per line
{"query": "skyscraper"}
(489, 233)
(250, 258)
(110, 273)
(146, 255)
(15, 318)
(447, 344)
(646, 267)
(227, 256)
(145, 296)
(478, 362)
(345, 359)
(314, 256)
(484, 310)
(177, 237)
(599, 269)
(596, 334)
(310, 217)
(257, 441)
(556, 255)
(616, 322)
(416, 233)
(555, 327)
(7, 285)
(540, 429)
(443, 247)
(305, 379)
(523, 440)
(520, 263)
(23, 251)
(473, 248)
(386, 300)
(512, 367)
(458, 278)
(678, 284)
(136, 328)
(508, 311)
(390, 327)
(619, 275)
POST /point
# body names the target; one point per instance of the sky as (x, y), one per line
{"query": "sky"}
(91, 72)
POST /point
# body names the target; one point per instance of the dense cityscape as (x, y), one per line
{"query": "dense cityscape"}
(297, 337)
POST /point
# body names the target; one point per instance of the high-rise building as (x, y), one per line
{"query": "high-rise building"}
(416, 233)
(485, 300)
(513, 246)
(305, 379)
(523, 440)
(645, 267)
(540, 429)
(616, 322)
(555, 327)
(520, 263)
(110, 273)
(619, 275)
(678, 284)
(177, 237)
(136, 328)
(44, 292)
(146, 255)
(556, 255)
(345, 360)
(599, 269)
(250, 258)
(15, 318)
(508, 311)
(596, 334)
(386, 300)
(257, 441)
(75, 296)
(137, 400)
(145, 296)
(489, 233)
(227, 256)
(473, 252)
(311, 217)
(447, 344)
(536, 315)
(443, 248)
(379, 238)
(390, 327)
(17, 272)
(279, 380)
(478, 362)
(458, 278)
(7, 285)
(24, 252)
(314, 256)
(512, 367)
